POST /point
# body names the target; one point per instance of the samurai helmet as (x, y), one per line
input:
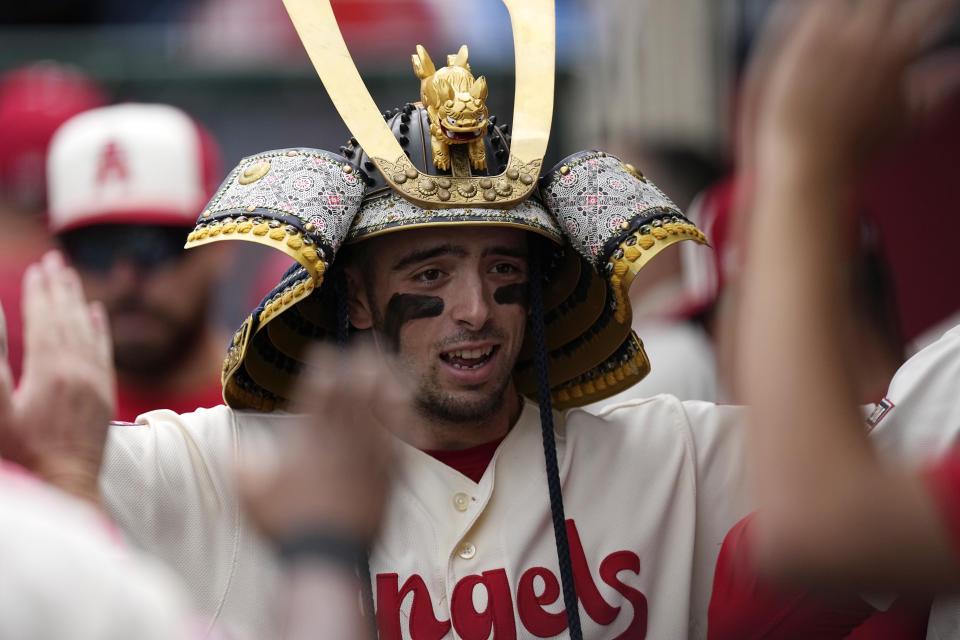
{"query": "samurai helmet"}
(443, 160)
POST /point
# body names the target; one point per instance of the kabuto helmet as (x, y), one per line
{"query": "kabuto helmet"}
(445, 161)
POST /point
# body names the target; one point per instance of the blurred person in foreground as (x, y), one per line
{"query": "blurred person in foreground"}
(833, 514)
(67, 571)
(34, 101)
(125, 183)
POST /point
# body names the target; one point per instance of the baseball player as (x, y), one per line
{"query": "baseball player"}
(442, 259)
(492, 285)
(67, 571)
(124, 184)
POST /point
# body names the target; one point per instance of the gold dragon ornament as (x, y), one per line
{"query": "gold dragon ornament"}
(455, 103)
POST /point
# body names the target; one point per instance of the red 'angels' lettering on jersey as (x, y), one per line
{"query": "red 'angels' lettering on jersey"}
(498, 617)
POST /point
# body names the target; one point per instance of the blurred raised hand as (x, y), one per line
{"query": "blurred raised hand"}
(835, 85)
(321, 498)
(55, 421)
(333, 466)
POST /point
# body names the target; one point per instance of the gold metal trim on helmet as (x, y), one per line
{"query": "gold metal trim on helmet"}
(534, 38)
(606, 379)
(290, 242)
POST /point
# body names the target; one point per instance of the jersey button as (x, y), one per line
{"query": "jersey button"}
(467, 550)
(461, 501)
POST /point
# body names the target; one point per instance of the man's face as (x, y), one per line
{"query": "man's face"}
(155, 293)
(452, 303)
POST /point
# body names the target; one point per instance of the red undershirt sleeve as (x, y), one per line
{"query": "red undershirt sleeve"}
(943, 478)
(744, 607)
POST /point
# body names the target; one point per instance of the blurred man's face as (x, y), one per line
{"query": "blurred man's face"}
(452, 303)
(155, 292)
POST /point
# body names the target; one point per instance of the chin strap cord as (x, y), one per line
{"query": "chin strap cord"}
(343, 312)
(550, 445)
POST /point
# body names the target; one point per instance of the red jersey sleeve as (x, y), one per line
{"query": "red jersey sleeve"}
(745, 607)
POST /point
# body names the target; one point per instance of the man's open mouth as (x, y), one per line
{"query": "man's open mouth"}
(461, 136)
(469, 358)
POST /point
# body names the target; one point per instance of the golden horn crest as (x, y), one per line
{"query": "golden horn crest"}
(534, 46)
(456, 104)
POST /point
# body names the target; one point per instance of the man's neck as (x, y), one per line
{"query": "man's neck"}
(429, 433)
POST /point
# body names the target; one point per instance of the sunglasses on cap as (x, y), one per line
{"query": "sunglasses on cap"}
(99, 247)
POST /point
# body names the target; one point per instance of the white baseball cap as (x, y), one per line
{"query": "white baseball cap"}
(132, 163)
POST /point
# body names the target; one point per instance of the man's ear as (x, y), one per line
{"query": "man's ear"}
(358, 304)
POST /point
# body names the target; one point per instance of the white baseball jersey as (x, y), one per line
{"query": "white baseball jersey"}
(168, 484)
(66, 575)
(650, 490)
(919, 418)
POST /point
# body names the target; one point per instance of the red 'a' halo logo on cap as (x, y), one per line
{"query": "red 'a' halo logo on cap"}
(112, 164)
